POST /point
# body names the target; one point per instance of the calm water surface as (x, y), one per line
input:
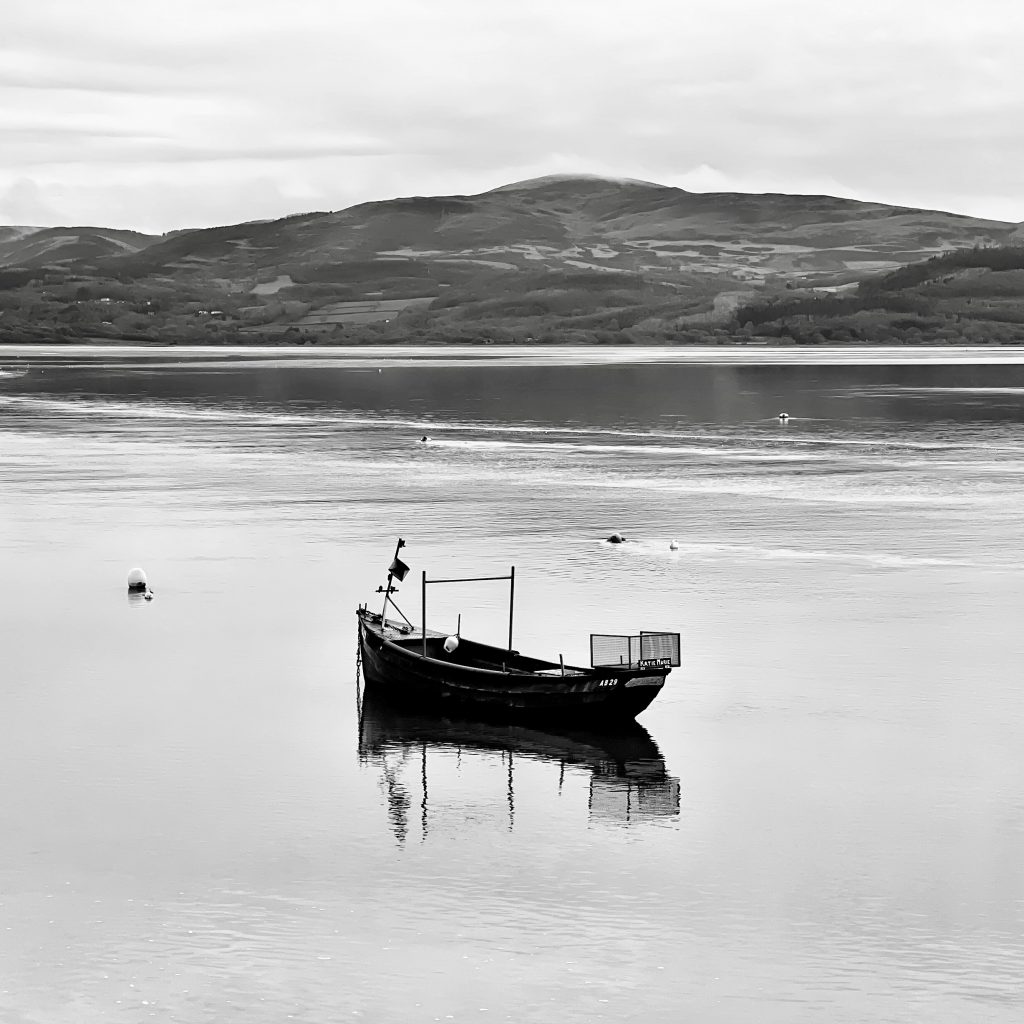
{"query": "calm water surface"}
(820, 819)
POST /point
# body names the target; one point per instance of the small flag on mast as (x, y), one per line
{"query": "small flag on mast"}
(398, 569)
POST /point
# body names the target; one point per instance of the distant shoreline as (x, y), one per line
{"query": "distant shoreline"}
(759, 344)
(19, 357)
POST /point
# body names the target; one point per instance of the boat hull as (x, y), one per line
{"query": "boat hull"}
(593, 695)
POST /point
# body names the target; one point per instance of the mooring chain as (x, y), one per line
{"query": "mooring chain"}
(359, 665)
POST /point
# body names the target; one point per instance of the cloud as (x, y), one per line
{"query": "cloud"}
(75, 146)
(883, 100)
(24, 203)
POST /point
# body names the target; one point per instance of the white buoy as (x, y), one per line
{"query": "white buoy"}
(137, 582)
(673, 545)
(450, 643)
(783, 417)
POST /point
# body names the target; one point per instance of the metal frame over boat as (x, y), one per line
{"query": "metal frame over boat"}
(427, 668)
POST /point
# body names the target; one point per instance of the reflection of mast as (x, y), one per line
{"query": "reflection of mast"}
(399, 802)
(423, 804)
(510, 793)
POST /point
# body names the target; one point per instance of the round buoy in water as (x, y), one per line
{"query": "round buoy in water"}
(673, 545)
(424, 439)
(616, 538)
(783, 417)
(450, 643)
(137, 583)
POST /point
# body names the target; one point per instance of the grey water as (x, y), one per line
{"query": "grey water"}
(821, 818)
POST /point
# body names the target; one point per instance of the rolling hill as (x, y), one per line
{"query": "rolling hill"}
(569, 253)
(586, 223)
(38, 248)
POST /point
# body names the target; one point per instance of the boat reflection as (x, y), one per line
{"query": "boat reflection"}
(627, 779)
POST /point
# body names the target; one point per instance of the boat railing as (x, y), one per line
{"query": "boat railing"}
(647, 649)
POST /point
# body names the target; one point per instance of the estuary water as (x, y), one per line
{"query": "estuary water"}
(821, 818)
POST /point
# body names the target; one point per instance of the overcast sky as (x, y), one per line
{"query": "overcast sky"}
(161, 115)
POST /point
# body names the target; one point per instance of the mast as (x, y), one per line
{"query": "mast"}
(387, 590)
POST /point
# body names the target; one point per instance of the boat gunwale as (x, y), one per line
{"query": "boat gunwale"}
(578, 673)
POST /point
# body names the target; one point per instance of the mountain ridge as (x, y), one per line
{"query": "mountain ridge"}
(592, 223)
(626, 208)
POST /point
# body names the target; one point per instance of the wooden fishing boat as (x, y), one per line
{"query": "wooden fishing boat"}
(432, 669)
